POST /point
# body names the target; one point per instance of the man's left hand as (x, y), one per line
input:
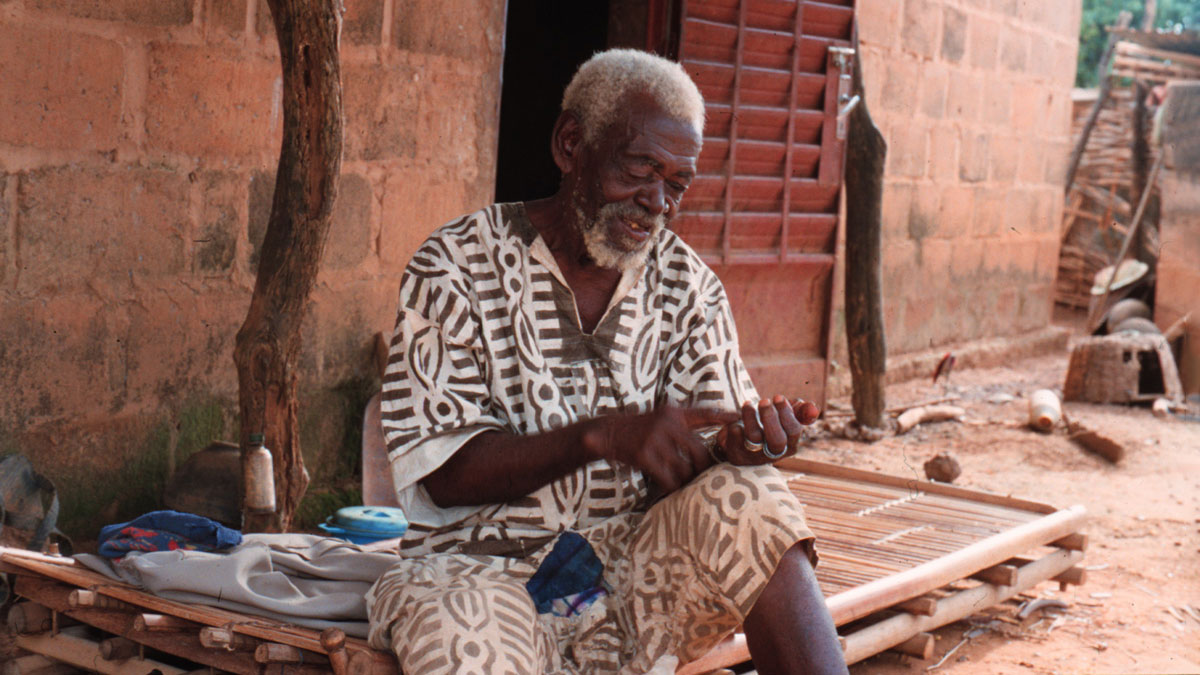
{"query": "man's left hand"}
(781, 427)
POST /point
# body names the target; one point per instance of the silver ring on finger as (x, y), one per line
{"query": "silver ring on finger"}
(771, 454)
(751, 446)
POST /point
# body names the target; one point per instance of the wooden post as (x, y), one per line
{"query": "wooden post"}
(866, 151)
(1102, 97)
(268, 344)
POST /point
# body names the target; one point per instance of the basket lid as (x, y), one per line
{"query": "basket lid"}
(387, 521)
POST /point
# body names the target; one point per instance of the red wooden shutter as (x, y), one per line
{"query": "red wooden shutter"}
(763, 209)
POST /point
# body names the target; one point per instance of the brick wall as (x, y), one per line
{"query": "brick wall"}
(138, 142)
(973, 97)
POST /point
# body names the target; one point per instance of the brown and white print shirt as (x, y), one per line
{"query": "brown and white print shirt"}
(487, 337)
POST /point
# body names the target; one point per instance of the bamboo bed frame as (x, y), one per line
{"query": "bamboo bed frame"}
(889, 549)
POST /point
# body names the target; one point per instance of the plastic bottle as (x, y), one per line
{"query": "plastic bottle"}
(259, 483)
(1045, 410)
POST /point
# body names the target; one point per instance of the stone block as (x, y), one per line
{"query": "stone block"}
(989, 212)
(1005, 156)
(923, 212)
(1014, 49)
(224, 18)
(963, 97)
(877, 24)
(1021, 214)
(900, 86)
(415, 203)
(1009, 7)
(1045, 266)
(983, 36)
(934, 81)
(998, 102)
(967, 258)
(155, 13)
(201, 101)
(363, 22)
(956, 212)
(381, 110)
(973, 156)
(937, 258)
(954, 34)
(919, 32)
(1043, 63)
(907, 152)
(1031, 168)
(351, 229)
(5, 224)
(895, 208)
(943, 153)
(465, 29)
(60, 91)
(1032, 106)
(219, 228)
(100, 226)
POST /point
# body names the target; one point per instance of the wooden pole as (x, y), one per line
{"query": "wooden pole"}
(1105, 89)
(866, 152)
(899, 628)
(268, 344)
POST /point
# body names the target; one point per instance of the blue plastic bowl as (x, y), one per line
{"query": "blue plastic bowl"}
(366, 524)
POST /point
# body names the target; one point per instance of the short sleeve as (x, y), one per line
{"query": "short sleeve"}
(435, 392)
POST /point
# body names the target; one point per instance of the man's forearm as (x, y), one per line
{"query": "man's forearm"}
(496, 467)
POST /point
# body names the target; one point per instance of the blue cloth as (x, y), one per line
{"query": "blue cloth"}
(166, 531)
(569, 579)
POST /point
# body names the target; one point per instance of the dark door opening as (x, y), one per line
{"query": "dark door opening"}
(545, 41)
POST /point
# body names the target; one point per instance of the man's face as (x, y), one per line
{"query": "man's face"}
(631, 183)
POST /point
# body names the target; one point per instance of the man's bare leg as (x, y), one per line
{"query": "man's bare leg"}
(790, 630)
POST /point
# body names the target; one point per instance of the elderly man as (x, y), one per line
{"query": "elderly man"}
(555, 370)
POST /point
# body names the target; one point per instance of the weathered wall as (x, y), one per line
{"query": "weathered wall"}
(973, 97)
(1179, 258)
(137, 148)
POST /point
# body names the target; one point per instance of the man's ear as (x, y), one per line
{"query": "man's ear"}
(566, 143)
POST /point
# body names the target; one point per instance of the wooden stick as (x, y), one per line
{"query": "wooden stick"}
(1133, 228)
(333, 640)
(118, 648)
(894, 630)
(215, 637)
(1176, 329)
(923, 606)
(919, 645)
(28, 617)
(273, 652)
(91, 599)
(997, 575)
(75, 649)
(161, 623)
(858, 602)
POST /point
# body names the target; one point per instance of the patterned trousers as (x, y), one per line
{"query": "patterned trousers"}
(684, 575)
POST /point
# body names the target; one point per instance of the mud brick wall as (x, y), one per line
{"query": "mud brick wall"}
(973, 97)
(138, 141)
(1176, 293)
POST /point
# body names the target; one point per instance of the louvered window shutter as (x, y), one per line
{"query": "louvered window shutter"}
(771, 167)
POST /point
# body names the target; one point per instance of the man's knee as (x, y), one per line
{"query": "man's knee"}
(738, 516)
(477, 620)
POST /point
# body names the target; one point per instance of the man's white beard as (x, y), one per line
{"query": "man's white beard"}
(596, 236)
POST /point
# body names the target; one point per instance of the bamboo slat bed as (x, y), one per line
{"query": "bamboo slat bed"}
(889, 549)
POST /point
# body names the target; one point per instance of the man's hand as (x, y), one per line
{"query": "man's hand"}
(779, 431)
(661, 443)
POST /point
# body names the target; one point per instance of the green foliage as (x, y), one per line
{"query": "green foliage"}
(317, 505)
(1098, 15)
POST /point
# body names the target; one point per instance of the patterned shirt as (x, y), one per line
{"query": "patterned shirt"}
(488, 337)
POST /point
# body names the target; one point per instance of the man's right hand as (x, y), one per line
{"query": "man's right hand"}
(661, 443)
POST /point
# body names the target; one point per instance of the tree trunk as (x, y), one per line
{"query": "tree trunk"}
(866, 151)
(268, 344)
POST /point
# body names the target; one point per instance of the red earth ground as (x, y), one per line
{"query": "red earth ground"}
(1143, 561)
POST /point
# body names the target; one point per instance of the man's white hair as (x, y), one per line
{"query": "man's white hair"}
(601, 88)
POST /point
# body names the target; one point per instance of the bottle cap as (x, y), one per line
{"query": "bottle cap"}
(256, 439)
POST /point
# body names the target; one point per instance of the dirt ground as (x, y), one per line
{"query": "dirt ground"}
(1144, 552)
